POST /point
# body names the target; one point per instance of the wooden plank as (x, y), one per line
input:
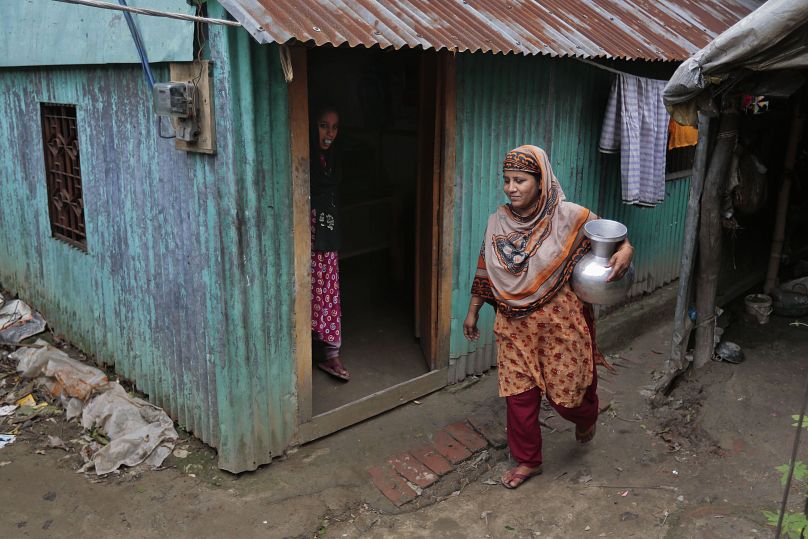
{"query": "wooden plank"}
(201, 73)
(301, 228)
(375, 404)
(426, 144)
(446, 207)
(433, 221)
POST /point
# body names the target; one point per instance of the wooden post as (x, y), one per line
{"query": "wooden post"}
(301, 227)
(681, 332)
(710, 238)
(447, 208)
(782, 200)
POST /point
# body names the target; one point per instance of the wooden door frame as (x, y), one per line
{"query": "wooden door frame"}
(313, 427)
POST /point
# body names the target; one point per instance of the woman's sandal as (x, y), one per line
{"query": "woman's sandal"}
(512, 475)
(334, 368)
(585, 436)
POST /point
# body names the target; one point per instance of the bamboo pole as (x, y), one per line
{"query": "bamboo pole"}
(778, 237)
(681, 332)
(149, 12)
(710, 238)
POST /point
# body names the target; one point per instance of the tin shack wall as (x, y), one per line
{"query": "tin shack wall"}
(186, 286)
(557, 104)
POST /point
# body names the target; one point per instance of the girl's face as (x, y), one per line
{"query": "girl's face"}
(523, 190)
(327, 129)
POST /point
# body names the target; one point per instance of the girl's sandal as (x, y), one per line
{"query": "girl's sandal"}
(334, 368)
(585, 436)
(512, 475)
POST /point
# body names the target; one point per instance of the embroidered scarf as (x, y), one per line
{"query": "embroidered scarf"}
(524, 261)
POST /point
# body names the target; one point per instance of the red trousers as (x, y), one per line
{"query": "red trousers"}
(524, 432)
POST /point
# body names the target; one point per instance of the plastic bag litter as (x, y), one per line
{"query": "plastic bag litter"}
(6, 439)
(138, 431)
(18, 321)
(72, 406)
(64, 375)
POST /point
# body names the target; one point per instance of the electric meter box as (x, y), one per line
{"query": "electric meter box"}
(175, 99)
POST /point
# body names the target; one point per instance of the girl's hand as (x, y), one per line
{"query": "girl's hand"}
(470, 325)
(620, 261)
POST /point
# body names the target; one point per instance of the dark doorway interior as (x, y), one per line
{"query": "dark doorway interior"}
(377, 94)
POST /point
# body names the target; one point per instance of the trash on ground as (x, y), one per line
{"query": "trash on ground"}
(181, 453)
(18, 321)
(27, 400)
(6, 439)
(123, 430)
(64, 375)
(138, 431)
(7, 410)
(41, 410)
(55, 442)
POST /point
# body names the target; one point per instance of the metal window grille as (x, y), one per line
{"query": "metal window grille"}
(63, 173)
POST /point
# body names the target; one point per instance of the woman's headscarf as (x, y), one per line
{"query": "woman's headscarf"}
(525, 260)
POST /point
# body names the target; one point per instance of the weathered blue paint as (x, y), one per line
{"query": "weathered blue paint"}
(187, 284)
(44, 32)
(557, 104)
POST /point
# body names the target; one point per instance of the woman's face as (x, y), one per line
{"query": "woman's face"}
(522, 188)
(327, 129)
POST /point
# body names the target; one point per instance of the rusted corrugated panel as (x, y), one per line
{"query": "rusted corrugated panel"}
(187, 282)
(556, 104)
(625, 29)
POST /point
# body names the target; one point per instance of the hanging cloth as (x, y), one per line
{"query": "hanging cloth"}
(636, 125)
(681, 136)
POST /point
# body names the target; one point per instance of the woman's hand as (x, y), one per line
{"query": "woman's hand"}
(470, 324)
(620, 261)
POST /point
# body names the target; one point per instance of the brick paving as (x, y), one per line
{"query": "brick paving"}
(454, 451)
(463, 433)
(406, 476)
(422, 466)
(429, 456)
(392, 485)
(412, 470)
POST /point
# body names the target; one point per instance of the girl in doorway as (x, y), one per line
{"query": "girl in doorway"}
(326, 312)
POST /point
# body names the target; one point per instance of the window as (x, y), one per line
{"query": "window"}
(679, 162)
(63, 173)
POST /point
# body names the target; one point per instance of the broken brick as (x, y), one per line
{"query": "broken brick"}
(466, 436)
(429, 457)
(450, 448)
(491, 429)
(412, 470)
(391, 485)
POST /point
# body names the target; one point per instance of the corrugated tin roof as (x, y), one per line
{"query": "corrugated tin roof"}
(624, 29)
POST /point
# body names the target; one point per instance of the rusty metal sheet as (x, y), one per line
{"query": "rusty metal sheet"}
(620, 29)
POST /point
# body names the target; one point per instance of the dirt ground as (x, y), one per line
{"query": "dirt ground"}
(701, 465)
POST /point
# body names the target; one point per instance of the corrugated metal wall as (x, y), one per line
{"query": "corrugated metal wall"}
(187, 285)
(556, 104)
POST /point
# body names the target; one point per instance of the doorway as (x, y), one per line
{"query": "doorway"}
(391, 145)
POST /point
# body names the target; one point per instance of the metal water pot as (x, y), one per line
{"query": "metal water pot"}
(590, 273)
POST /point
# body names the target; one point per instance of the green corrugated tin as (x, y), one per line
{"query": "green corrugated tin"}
(187, 285)
(44, 32)
(556, 104)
